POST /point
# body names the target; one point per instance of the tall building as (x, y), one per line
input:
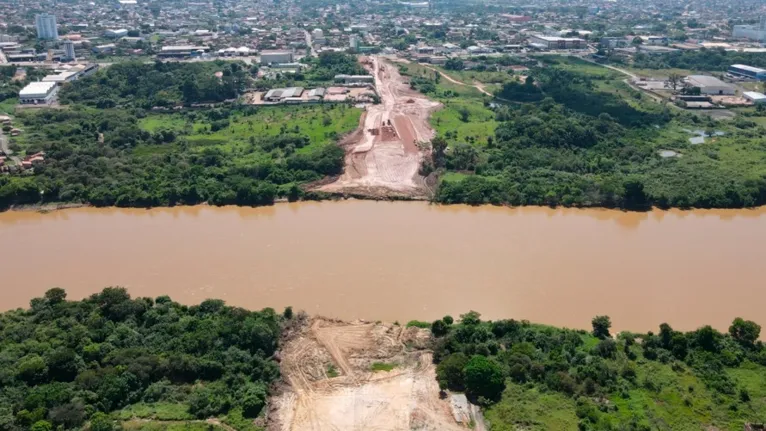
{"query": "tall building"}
(69, 50)
(46, 26)
(754, 32)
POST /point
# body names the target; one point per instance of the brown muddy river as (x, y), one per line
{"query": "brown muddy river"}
(402, 261)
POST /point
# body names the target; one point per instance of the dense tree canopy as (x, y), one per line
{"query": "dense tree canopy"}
(162, 84)
(99, 157)
(575, 135)
(63, 363)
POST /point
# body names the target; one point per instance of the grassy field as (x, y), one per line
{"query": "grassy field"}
(156, 411)
(449, 121)
(7, 106)
(665, 397)
(382, 366)
(321, 124)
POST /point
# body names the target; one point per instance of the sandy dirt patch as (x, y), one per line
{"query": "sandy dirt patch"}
(358, 399)
(385, 157)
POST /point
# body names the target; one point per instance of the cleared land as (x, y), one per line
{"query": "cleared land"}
(384, 155)
(330, 384)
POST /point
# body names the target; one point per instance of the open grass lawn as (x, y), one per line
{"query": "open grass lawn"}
(659, 73)
(471, 76)
(138, 425)
(480, 122)
(529, 409)
(157, 411)
(382, 366)
(7, 106)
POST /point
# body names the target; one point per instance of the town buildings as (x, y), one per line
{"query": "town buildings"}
(46, 26)
(750, 72)
(69, 53)
(276, 57)
(754, 32)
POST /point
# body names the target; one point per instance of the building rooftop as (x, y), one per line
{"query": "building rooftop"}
(36, 89)
(754, 95)
(749, 68)
(184, 48)
(707, 81)
(557, 38)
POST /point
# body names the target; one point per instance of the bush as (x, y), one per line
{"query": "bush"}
(484, 378)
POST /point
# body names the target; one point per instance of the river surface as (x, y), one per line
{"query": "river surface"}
(402, 261)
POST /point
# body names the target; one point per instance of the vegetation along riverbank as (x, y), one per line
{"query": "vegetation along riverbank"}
(556, 131)
(111, 361)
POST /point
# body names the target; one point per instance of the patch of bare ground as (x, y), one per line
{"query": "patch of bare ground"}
(328, 382)
(383, 155)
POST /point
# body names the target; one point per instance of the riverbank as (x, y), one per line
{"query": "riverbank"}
(154, 363)
(394, 261)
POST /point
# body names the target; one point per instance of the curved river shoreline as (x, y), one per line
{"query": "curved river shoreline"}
(404, 260)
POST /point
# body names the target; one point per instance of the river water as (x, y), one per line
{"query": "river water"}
(402, 261)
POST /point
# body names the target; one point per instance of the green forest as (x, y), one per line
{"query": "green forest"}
(536, 377)
(132, 158)
(574, 134)
(89, 363)
(160, 84)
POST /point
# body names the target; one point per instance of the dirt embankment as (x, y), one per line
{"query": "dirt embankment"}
(383, 156)
(329, 383)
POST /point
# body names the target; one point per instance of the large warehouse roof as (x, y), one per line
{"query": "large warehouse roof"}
(35, 89)
(749, 68)
(707, 81)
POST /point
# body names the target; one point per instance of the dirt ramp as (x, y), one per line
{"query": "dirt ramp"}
(330, 383)
(383, 156)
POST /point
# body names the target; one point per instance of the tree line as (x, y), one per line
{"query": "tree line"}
(160, 84)
(561, 140)
(66, 364)
(98, 157)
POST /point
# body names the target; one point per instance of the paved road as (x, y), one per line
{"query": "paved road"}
(310, 43)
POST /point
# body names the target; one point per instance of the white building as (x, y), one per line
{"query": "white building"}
(755, 97)
(62, 77)
(69, 50)
(710, 85)
(353, 42)
(116, 33)
(46, 26)
(38, 93)
(276, 57)
(754, 32)
(283, 94)
(355, 79)
(555, 42)
(183, 50)
(317, 33)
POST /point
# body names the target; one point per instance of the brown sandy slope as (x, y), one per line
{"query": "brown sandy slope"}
(358, 399)
(383, 157)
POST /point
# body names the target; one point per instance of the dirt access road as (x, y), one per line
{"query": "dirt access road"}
(383, 156)
(477, 85)
(314, 398)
